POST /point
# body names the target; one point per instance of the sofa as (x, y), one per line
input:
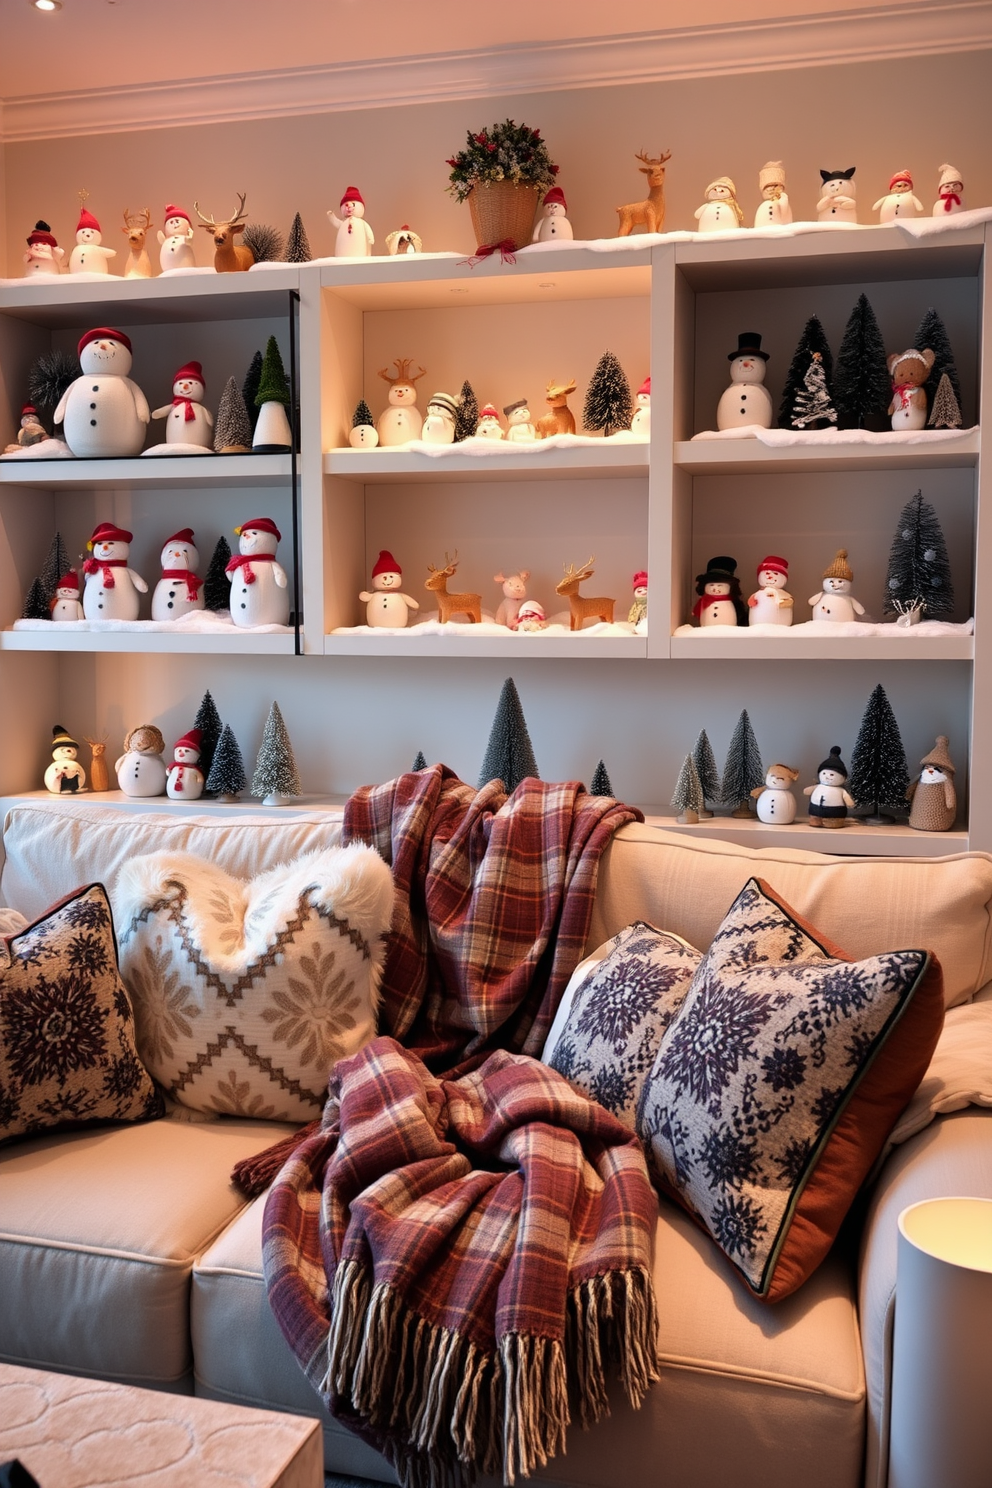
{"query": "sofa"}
(126, 1253)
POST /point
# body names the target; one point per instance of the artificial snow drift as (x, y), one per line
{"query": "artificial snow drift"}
(834, 438)
(197, 622)
(830, 629)
(490, 628)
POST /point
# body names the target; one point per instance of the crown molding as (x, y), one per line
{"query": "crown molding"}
(888, 32)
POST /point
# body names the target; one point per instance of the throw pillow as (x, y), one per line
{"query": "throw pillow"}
(778, 1082)
(618, 1013)
(245, 994)
(67, 1048)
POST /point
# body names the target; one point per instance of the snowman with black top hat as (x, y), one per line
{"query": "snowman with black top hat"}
(720, 601)
(747, 400)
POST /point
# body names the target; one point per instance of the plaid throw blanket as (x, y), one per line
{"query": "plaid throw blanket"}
(464, 1245)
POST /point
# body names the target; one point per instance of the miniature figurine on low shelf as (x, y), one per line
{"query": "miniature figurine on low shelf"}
(44, 256)
(402, 421)
(561, 419)
(31, 432)
(353, 236)
(141, 769)
(747, 400)
(639, 608)
(829, 801)
(529, 617)
(466, 604)
(719, 589)
(176, 251)
(184, 779)
(650, 213)
(933, 797)
(364, 434)
(514, 594)
(99, 774)
(950, 192)
(111, 590)
(721, 209)
(770, 604)
(189, 425)
(774, 209)
(583, 607)
(489, 426)
(439, 421)
(552, 223)
(775, 803)
(89, 256)
(65, 776)
(103, 413)
(838, 196)
(640, 424)
(385, 603)
(519, 423)
(137, 226)
(835, 602)
(65, 607)
(403, 241)
(179, 591)
(909, 370)
(259, 585)
(899, 200)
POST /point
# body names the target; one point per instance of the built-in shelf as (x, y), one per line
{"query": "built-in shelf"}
(401, 467)
(306, 805)
(114, 642)
(70, 302)
(854, 840)
(897, 647)
(514, 647)
(752, 457)
(162, 472)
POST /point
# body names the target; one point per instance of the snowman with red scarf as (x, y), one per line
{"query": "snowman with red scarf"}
(187, 421)
(178, 591)
(111, 590)
(259, 586)
(184, 778)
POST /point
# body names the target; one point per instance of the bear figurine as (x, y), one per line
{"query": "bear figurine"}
(909, 370)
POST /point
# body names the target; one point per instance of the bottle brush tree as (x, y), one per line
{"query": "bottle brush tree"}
(232, 426)
(709, 777)
(35, 603)
(467, 415)
(216, 585)
(600, 783)
(946, 411)
(419, 762)
(297, 243)
(932, 333)
(249, 388)
(55, 565)
(812, 339)
(919, 576)
(227, 778)
(608, 404)
(878, 775)
(688, 795)
(276, 779)
(509, 754)
(362, 416)
(742, 770)
(207, 720)
(862, 386)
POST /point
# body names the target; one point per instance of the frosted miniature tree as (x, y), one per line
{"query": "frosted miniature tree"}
(600, 783)
(232, 426)
(813, 408)
(276, 779)
(420, 762)
(688, 796)
(812, 339)
(509, 754)
(297, 243)
(946, 411)
(207, 720)
(743, 769)
(878, 775)
(249, 388)
(709, 777)
(862, 386)
(467, 415)
(56, 564)
(919, 575)
(362, 416)
(227, 778)
(35, 603)
(608, 404)
(216, 585)
(932, 333)
(50, 378)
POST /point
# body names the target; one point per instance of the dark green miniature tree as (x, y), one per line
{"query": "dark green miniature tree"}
(420, 762)
(468, 413)
(35, 603)
(812, 339)
(608, 404)
(932, 333)
(216, 585)
(227, 778)
(688, 795)
(862, 386)
(878, 775)
(919, 575)
(249, 388)
(600, 784)
(297, 243)
(55, 565)
(362, 416)
(273, 385)
(709, 777)
(232, 426)
(207, 720)
(743, 769)
(276, 775)
(509, 754)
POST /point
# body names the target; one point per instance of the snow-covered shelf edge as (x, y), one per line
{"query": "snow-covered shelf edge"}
(198, 631)
(431, 638)
(568, 453)
(115, 474)
(934, 640)
(834, 438)
(314, 806)
(857, 839)
(554, 628)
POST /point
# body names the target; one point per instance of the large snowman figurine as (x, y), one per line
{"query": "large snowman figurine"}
(770, 604)
(44, 256)
(719, 591)
(89, 255)
(552, 225)
(141, 769)
(65, 607)
(259, 586)
(721, 209)
(354, 237)
(385, 603)
(188, 422)
(103, 413)
(747, 400)
(111, 589)
(65, 775)
(176, 251)
(178, 591)
(776, 804)
(837, 196)
(899, 201)
(184, 778)
(835, 601)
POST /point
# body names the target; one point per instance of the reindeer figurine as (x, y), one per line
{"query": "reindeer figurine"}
(649, 214)
(229, 257)
(561, 419)
(136, 227)
(402, 420)
(582, 606)
(452, 604)
(99, 772)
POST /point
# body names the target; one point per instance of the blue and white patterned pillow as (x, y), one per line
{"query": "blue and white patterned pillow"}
(619, 1013)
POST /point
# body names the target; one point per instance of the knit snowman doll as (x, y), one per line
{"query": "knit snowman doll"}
(519, 423)
(837, 196)
(776, 805)
(489, 426)
(439, 420)
(720, 209)
(933, 797)
(639, 608)
(829, 802)
(44, 256)
(103, 413)
(774, 210)
(950, 193)
(354, 236)
(385, 603)
(835, 601)
(141, 769)
(31, 432)
(111, 590)
(65, 607)
(552, 224)
(640, 424)
(184, 778)
(65, 775)
(899, 200)
(179, 590)
(259, 586)
(530, 617)
(176, 251)
(89, 256)
(770, 604)
(719, 591)
(189, 424)
(746, 400)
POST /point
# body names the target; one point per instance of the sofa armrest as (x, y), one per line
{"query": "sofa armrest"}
(952, 1157)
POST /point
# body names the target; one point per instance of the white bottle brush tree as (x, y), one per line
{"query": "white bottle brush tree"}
(878, 775)
(918, 584)
(276, 779)
(227, 778)
(813, 339)
(742, 770)
(509, 754)
(688, 795)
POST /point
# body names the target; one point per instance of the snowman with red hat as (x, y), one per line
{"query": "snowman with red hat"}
(640, 424)
(770, 604)
(178, 591)
(385, 603)
(89, 256)
(259, 586)
(111, 590)
(176, 251)
(44, 256)
(899, 200)
(65, 605)
(189, 426)
(552, 225)
(184, 778)
(103, 413)
(354, 236)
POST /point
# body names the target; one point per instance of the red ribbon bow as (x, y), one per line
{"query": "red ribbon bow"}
(505, 248)
(189, 415)
(193, 584)
(245, 560)
(93, 565)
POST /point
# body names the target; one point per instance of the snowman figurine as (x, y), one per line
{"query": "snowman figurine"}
(385, 603)
(354, 236)
(178, 590)
(530, 617)
(770, 604)
(141, 769)
(639, 608)
(259, 586)
(776, 805)
(720, 209)
(103, 413)
(837, 196)
(719, 591)
(934, 800)
(65, 607)
(489, 426)
(835, 601)
(111, 589)
(552, 225)
(950, 193)
(439, 421)
(44, 256)
(89, 256)
(184, 778)
(774, 210)
(746, 401)
(31, 432)
(176, 251)
(829, 802)
(640, 424)
(188, 422)
(519, 423)
(899, 200)
(65, 775)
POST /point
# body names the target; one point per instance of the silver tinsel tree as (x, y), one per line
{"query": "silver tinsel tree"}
(688, 795)
(709, 777)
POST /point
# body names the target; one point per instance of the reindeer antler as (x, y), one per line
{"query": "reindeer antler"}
(207, 221)
(652, 160)
(402, 365)
(240, 214)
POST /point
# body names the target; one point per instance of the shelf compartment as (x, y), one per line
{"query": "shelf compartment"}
(158, 642)
(854, 840)
(751, 457)
(168, 473)
(589, 461)
(822, 648)
(535, 647)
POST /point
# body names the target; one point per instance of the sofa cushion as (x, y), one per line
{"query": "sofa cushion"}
(67, 1050)
(865, 904)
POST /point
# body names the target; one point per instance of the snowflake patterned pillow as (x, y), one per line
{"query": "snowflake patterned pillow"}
(618, 1014)
(245, 994)
(67, 1047)
(778, 1082)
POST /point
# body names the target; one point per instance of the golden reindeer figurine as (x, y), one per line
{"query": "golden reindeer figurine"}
(136, 227)
(229, 257)
(99, 773)
(583, 607)
(650, 213)
(561, 419)
(452, 604)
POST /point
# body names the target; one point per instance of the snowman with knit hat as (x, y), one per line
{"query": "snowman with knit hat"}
(746, 400)
(44, 256)
(934, 800)
(829, 801)
(835, 601)
(188, 423)
(354, 236)
(176, 251)
(65, 775)
(640, 424)
(385, 603)
(774, 210)
(899, 200)
(721, 209)
(519, 422)
(770, 604)
(259, 586)
(103, 413)
(439, 420)
(89, 255)
(950, 192)
(65, 606)
(184, 778)
(178, 591)
(552, 224)
(489, 426)
(111, 590)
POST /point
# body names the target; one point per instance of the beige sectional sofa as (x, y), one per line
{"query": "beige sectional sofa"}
(126, 1254)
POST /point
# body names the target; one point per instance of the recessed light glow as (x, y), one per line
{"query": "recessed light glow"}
(47, 4)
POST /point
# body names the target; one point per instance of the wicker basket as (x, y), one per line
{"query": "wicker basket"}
(502, 210)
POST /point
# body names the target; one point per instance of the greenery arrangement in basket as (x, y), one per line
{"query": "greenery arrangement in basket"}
(503, 152)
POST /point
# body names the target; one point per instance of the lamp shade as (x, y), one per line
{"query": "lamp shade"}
(941, 1433)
